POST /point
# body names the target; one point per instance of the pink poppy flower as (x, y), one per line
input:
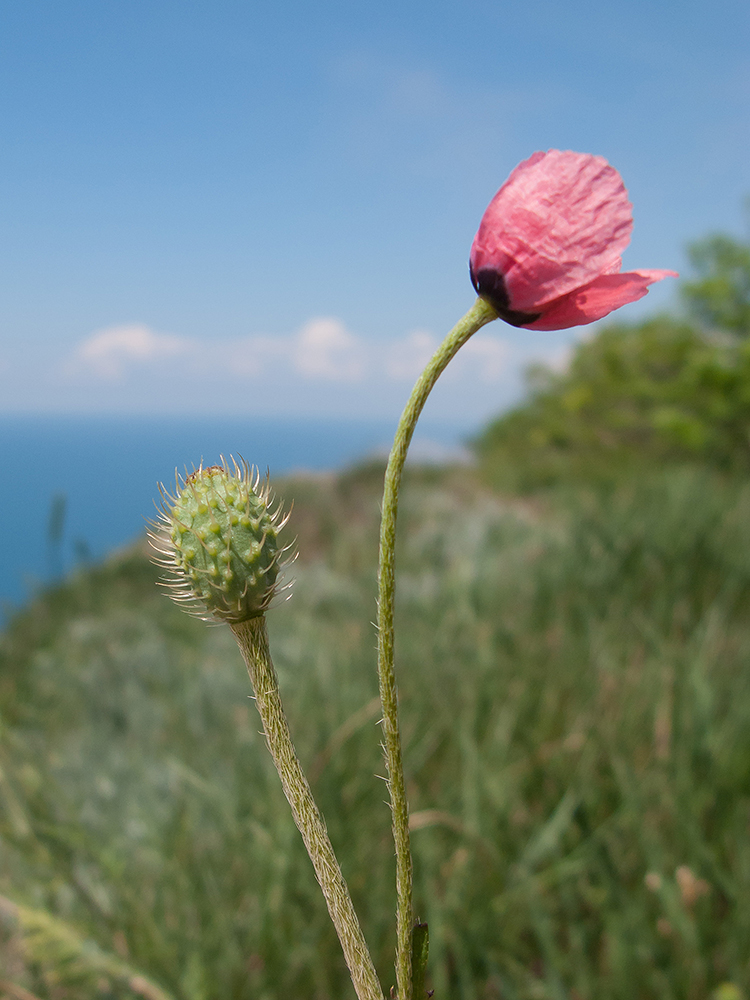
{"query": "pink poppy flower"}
(547, 253)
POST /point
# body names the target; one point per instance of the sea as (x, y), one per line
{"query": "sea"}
(77, 488)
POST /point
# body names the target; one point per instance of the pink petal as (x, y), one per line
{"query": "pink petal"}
(597, 299)
(559, 221)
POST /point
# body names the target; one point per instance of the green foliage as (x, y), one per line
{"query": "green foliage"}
(574, 687)
(719, 296)
(636, 397)
(632, 397)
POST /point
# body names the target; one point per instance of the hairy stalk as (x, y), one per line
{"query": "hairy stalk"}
(479, 314)
(252, 638)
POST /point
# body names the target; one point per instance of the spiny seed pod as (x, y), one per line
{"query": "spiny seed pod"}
(219, 538)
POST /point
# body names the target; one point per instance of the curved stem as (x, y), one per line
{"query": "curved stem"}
(479, 314)
(252, 638)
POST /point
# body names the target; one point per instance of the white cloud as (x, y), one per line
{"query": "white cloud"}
(252, 356)
(484, 358)
(407, 358)
(325, 349)
(559, 358)
(108, 353)
(322, 351)
(321, 367)
(555, 357)
(488, 356)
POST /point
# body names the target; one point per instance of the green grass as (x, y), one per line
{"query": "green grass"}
(576, 705)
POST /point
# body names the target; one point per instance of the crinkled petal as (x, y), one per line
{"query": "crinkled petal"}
(559, 221)
(597, 299)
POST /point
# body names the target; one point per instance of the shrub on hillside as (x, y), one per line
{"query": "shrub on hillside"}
(665, 391)
(654, 393)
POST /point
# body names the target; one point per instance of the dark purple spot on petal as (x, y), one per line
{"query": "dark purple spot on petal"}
(490, 284)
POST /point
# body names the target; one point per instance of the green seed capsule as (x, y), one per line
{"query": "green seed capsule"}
(220, 540)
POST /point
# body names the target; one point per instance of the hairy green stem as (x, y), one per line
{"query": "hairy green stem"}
(479, 314)
(252, 638)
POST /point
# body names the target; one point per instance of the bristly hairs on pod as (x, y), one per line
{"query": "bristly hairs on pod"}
(217, 536)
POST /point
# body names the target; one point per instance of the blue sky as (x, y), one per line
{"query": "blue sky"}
(267, 209)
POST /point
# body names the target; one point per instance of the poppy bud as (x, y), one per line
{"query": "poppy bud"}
(219, 539)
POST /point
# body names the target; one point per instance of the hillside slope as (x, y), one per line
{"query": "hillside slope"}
(575, 696)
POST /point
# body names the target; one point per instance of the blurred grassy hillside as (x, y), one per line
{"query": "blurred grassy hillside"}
(575, 698)
(572, 652)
